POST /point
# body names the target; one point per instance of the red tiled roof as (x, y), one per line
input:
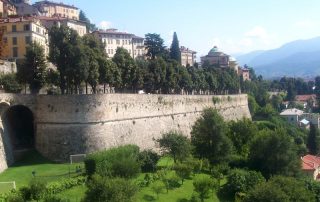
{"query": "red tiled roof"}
(55, 3)
(305, 98)
(310, 162)
(16, 19)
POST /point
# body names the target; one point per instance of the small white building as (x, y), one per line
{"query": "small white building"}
(292, 115)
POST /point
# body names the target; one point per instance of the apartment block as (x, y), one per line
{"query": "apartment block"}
(188, 57)
(53, 9)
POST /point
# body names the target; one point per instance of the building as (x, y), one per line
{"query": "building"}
(311, 166)
(7, 9)
(53, 9)
(188, 57)
(244, 73)
(24, 8)
(17, 33)
(307, 100)
(216, 58)
(114, 39)
(293, 116)
(79, 26)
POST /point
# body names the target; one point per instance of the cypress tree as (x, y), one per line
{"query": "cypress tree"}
(175, 53)
(313, 142)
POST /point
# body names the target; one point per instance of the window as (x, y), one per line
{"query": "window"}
(14, 41)
(38, 29)
(28, 39)
(15, 52)
(14, 28)
(26, 27)
(118, 42)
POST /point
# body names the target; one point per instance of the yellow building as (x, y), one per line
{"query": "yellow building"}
(188, 57)
(7, 9)
(17, 33)
(53, 9)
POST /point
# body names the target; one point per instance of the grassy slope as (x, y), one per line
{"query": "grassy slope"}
(21, 172)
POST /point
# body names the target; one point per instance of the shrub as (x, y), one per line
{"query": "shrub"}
(25, 193)
(14, 197)
(65, 184)
(148, 160)
(183, 170)
(158, 187)
(202, 185)
(107, 189)
(116, 162)
(37, 189)
(54, 199)
(10, 84)
(241, 181)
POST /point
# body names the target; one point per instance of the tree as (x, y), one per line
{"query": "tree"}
(175, 53)
(202, 185)
(313, 141)
(280, 188)
(154, 45)
(241, 181)
(209, 137)
(274, 153)
(108, 73)
(148, 160)
(34, 67)
(183, 170)
(110, 189)
(127, 67)
(158, 187)
(241, 133)
(10, 84)
(90, 26)
(175, 144)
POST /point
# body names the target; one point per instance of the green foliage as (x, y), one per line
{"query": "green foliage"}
(241, 181)
(313, 141)
(158, 187)
(203, 186)
(33, 69)
(148, 160)
(241, 134)
(116, 162)
(90, 26)
(281, 188)
(37, 189)
(209, 137)
(54, 199)
(110, 189)
(65, 184)
(175, 53)
(175, 144)
(274, 153)
(253, 105)
(155, 45)
(10, 84)
(183, 170)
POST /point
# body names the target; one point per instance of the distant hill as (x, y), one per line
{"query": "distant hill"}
(297, 58)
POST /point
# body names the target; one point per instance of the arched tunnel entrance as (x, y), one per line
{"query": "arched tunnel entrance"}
(18, 122)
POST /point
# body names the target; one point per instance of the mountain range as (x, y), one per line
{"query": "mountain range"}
(299, 58)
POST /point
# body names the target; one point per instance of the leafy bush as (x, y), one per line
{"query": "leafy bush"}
(54, 199)
(183, 170)
(107, 189)
(148, 160)
(65, 184)
(158, 187)
(116, 162)
(10, 84)
(202, 185)
(241, 181)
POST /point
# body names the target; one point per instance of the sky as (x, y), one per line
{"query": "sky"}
(235, 26)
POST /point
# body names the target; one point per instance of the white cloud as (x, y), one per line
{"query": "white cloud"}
(257, 32)
(105, 24)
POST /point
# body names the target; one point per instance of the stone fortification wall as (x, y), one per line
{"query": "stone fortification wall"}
(78, 124)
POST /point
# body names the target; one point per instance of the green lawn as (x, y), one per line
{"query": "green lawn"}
(181, 194)
(74, 195)
(21, 172)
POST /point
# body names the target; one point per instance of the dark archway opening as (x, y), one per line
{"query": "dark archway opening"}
(19, 123)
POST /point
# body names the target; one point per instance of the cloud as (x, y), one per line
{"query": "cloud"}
(247, 42)
(105, 24)
(257, 32)
(305, 24)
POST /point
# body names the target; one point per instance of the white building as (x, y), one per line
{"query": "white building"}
(293, 116)
(188, 57)
(114, 39)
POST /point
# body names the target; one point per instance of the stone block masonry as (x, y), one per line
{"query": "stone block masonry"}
(75, 124)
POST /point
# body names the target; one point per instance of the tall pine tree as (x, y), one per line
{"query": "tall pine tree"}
(313, 142)
(175, 53)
